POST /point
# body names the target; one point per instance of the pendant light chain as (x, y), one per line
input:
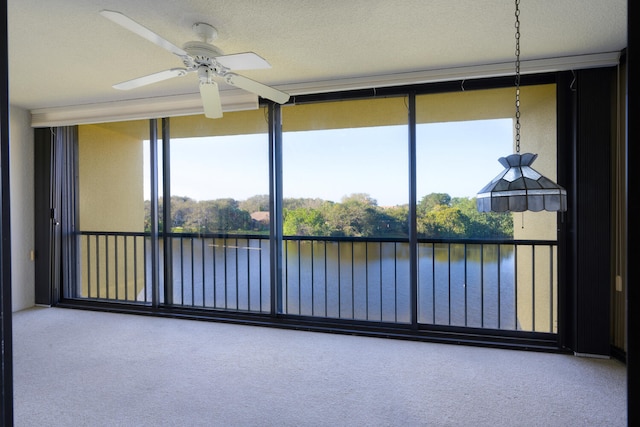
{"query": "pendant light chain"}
(519, 187)
(517, 25)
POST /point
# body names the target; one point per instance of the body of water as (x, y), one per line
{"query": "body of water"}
(462, 285)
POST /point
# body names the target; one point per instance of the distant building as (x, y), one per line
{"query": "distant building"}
(261, 217)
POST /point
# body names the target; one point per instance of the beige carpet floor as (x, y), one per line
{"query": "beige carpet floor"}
(82, 368)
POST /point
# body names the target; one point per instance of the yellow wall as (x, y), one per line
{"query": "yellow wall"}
(110, 179)
(345, 114)
(236, 123)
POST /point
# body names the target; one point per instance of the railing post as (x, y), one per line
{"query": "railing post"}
(155, 256)
(6, 337)
(413, 228)
(166, 213)
(275, 206)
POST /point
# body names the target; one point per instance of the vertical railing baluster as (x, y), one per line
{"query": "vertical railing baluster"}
(313, 291)
(366, 279)
(326, 283)
(226, 273)
(533, 287)
(106, 263)
(248, 251)
(395, 282)
(214, 264)
(98, 266)
(193, 273)
(482, 285)
(203, 266)
(145, 282)
(433, 281)
(260, 273)
(116, 269)
(353, 282)
(135, 268)
(449, 278)
(88, 266)
(499, 289)
(465, 285)
(299, 247)
(418, 283)
(286, 275)
(126, 269)
(339, 282)
(381, 281)
(237, 262)
(551, 311)
(515, 283)
(181, 270)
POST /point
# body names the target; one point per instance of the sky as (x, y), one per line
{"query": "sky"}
(458, 158)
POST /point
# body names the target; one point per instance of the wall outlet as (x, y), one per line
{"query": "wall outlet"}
(619, 283)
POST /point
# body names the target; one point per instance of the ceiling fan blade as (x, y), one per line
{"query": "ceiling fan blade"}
(142, 31)
(211, 100)
(151, 78)
(243, 61)
(259, 89)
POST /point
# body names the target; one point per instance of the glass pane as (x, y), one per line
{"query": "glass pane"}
(345, 169)
(111, 190)
(346, 188)
(219, 225)
(454, 161)
(484, 283)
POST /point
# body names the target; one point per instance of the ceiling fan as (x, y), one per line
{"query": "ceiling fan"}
(205, 59)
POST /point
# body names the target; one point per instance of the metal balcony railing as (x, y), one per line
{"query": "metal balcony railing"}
(491, 284)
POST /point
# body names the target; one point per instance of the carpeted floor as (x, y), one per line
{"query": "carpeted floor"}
(81, 368)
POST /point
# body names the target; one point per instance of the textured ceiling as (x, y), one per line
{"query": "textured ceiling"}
(63, 53)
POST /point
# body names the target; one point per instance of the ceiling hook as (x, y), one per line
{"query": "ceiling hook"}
(572, 86)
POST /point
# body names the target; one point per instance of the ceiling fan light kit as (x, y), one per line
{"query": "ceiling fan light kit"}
(205, 59)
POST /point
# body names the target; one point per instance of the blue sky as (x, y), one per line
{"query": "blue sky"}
(458, 158)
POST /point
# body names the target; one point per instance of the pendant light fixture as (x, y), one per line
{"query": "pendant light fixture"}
(520, 187)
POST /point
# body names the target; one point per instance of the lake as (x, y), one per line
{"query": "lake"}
(461, 285)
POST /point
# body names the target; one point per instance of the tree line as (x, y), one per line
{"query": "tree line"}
(438, 215)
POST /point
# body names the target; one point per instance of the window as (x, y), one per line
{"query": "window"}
(347, 244)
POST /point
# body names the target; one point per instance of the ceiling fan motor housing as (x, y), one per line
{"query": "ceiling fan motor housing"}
(201, 53)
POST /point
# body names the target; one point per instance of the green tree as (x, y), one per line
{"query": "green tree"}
(295, 203)
(485, 224)
(443, 222)
(431, 201)
(259, 203)
(356, 216)
(394, 221)
(183, 210)
(304, 222)
(221, 215)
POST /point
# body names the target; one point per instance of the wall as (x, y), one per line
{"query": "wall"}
(22, 225)
(111, 179)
